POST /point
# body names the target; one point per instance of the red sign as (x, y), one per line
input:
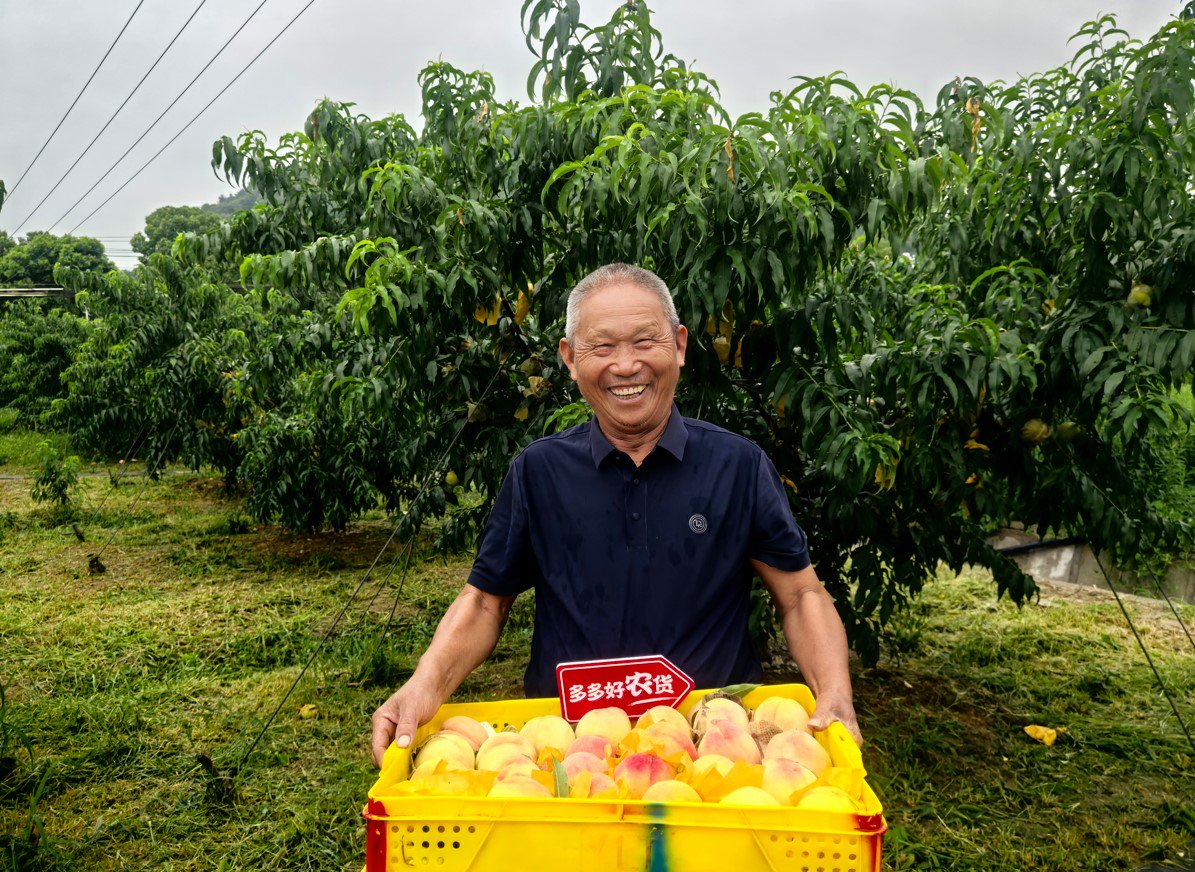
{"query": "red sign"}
(633, 684)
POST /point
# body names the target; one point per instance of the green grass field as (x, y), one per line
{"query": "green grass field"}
(116, 683)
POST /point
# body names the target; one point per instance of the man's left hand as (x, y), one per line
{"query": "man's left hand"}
(836, 706)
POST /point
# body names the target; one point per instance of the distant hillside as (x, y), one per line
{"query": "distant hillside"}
(227, 204)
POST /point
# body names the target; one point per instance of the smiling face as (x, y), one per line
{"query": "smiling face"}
(626, 360)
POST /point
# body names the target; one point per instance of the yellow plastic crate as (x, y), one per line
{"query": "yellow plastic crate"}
(603, 835)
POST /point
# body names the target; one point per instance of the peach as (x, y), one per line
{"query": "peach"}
(446, 746)
(583, 761)
(548, 731)
(799, 747)
(508, 738)
(438, 767)
(662, 714)
(472, 731)
(718, 708)
(519, 765)
(706, 762)
(749, 796)
(638, 772)
(493, 759)
(598, 746)
(785, 713)
(609, 723)
(784, 779)
(521, 786)
(599, 783)
(667, 739)
(670, 791)
(827, 799)
(730, 740)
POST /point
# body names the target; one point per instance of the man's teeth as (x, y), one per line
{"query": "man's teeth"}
(629, 392)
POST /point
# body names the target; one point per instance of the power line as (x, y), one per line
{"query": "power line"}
(76, 100)
(197, 115)
(1158, 584)
(112, 117)
(433, 476)
(173, 102)
(1141, 644)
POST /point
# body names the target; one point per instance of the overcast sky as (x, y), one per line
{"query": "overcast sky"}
(369, 52)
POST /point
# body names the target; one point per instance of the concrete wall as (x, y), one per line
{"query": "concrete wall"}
(1076, 564)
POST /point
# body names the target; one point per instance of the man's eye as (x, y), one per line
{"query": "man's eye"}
(645, 342)
(603, 348)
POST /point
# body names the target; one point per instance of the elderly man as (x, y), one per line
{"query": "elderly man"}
(639, 531)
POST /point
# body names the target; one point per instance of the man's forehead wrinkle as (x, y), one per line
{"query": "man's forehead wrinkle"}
(623, 325)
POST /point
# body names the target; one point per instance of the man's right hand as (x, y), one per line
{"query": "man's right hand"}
(465, 636)
(399, 717)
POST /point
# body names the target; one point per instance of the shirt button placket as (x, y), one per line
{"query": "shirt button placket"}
(636, 509)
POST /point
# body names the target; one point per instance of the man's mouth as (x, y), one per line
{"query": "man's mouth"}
(629, 391)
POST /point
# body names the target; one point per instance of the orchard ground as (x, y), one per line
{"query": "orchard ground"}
(184, 646)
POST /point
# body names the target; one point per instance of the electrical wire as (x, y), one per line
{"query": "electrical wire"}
(432, 476)
(196, 116)
(336, 621)
(162, 115)
(112, 117)
(1141, 644)
(150, 472)
(76, 100)
(1158, 584)
(126, 463)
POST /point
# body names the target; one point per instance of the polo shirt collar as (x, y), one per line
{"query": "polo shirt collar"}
(672, 440)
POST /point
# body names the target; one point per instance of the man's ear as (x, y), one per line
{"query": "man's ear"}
(569, 357)
(682, 342)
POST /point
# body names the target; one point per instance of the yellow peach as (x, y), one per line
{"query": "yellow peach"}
(582, 761)
(600, 784)
(506, 738)
(638, 772)
(799, 747)
(519, 786)
(598, 746)
(784, 779)
(667, 739)
(493, 759)
(662, 714)
(730, 740)
(827, 799)
(670, 791)
(548, 731)
(472, 731)
(437, 767)
(707, 711)
(446, 746)
(785, 713)
(519, 765)
(706, 762)
(749, 796)
(609, 723)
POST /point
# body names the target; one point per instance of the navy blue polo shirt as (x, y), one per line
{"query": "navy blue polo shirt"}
(629, 561)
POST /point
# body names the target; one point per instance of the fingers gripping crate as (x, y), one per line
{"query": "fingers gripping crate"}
(480, 834)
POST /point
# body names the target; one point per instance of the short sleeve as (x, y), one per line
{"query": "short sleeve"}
(505, 563)
(775, 537)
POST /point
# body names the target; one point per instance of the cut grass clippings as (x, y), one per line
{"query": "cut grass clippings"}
(118, 683)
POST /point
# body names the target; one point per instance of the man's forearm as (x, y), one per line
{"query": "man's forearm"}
(465, 637)
(817, 641)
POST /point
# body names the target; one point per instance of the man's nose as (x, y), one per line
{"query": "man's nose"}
(626, 361)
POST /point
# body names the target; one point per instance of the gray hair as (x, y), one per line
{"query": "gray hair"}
(618, 273)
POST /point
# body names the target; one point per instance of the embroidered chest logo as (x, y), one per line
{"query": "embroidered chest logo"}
(698, 523)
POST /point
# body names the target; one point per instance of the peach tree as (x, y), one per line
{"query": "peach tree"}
(937, 319)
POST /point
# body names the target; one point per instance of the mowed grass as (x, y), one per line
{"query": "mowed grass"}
(120, 681)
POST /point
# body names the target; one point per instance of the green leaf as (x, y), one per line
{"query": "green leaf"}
(560, 778)
(739, 690)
